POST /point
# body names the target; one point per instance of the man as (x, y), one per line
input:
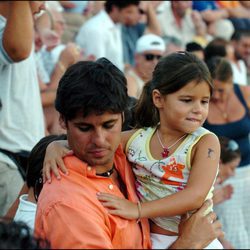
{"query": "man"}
(179, 21)
(241, 44)
(101, 35)
(91, 99)
(21, 117)
(133, 29)
(149, 49)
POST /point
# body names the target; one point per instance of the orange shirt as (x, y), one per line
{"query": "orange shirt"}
(70, 216)
(228, 4)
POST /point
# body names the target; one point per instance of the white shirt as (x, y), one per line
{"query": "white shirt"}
(21, 116)
(101, 37)
(239, 73)
(26, 212)
(169, 26)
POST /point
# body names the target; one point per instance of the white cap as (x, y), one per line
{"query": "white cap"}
(150, 42)
(224, 29)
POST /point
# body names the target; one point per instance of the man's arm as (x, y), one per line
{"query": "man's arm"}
(18, 33)
(153, 25)
(199, 230)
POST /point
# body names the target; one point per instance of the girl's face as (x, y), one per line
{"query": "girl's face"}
(184, 110)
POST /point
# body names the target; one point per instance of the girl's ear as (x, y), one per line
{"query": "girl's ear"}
(62, 122)
(157, 98)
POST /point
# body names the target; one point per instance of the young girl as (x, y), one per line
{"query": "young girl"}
(174, 159)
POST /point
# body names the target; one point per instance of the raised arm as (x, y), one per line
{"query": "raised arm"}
(205, 161)
(18, 34)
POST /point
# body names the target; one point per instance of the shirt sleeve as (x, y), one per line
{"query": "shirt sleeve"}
(68, 227)
(4, 57)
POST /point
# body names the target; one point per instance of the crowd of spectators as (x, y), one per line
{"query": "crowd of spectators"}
(36, 51)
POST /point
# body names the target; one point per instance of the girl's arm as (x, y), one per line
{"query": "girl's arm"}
(205, 161)
(53, 159)
(58, 149)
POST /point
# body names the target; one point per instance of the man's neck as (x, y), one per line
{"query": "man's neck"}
(178, 19)
(113, 17)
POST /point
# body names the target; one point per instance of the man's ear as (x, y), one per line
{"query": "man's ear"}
(62, 122)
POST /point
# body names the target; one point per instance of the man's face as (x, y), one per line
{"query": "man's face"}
(95, 138)
(181, 7)
(145, 62)
(59, 22)
(242, 48)
(130, 15)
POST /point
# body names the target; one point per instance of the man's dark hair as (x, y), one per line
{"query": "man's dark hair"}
(193, 46)
(238, 34)
(91, 87)
(216, 47)
(121, 4)
(17, 235)
(35, 162)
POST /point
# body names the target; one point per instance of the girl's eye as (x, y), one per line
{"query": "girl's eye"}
(186, 100)
(205, 101)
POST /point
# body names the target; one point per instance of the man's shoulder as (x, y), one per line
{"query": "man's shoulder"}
(93, 22)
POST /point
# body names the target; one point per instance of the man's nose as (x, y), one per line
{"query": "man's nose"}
(98, 137)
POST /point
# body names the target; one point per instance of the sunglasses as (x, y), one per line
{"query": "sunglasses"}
(151, 57)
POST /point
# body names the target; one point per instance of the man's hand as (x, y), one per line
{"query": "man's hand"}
(199, 230)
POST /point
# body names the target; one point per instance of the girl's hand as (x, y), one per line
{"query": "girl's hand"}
(119, 206)
(54, 159)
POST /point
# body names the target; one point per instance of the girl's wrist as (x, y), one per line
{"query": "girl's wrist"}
(139, 211)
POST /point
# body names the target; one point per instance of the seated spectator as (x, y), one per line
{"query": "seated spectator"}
(27, 202)
(107, 40)
(221, 47)
(149, 49)
(196, 49)
(241, 44)
(239, 13)
(215, 18)
(230, 158)
(178, 20)
(146, 22)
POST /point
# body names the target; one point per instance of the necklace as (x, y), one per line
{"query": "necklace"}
(165, 148)
(223, 112)
(107, 173)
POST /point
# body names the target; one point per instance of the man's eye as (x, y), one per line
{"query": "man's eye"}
(108, 125)
(84, 129)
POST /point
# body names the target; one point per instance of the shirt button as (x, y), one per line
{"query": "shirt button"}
(111, 186)
(89, 168)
